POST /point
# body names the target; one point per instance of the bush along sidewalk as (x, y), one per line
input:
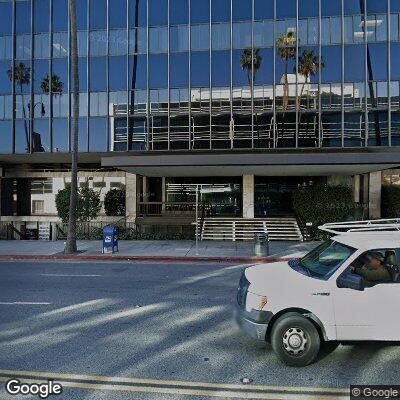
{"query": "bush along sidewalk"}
(320, 204)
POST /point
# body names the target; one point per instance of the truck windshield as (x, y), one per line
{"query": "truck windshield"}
(325, 259)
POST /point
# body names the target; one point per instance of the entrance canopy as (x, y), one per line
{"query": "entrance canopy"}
(272, 163)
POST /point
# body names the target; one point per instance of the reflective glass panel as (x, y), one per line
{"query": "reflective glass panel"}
(199, 11)
(178, 11)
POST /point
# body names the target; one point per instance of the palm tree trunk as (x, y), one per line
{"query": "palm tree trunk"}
(70, 246)
(24, 116)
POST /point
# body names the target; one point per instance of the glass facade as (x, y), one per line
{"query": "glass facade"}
(209, 74)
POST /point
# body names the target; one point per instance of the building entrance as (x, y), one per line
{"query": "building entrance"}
(274, 195)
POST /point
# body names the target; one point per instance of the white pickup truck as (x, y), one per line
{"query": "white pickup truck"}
(299, 304)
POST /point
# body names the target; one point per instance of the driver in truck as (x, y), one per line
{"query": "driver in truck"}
(373, 270)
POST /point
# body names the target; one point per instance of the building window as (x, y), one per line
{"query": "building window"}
(42, 186)
(37, 207)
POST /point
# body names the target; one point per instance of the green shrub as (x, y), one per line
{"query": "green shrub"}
(320, 204)
(390, 201)
(88, 207)
(114, 202)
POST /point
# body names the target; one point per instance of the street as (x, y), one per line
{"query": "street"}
(152, 325)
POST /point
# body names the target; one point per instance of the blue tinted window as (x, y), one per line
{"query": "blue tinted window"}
(117, 13)
(395, 5)
(23, 16)
(5, 47)
(137, 13)
(6, 17)
(60, 69)
(331, 57)
(41, 12)
(308, 8)
(354, 63)
(60, 135)
(98, 43)
(40, 71)
(286, 9)
(98, 14)
(178, 11)
(82, 65)
(5, 83)
(81, 13)
(331, 8)
(395, 70)
(199, 11)
(97, 134)
(241, 76)
(5, 137)
(98, 74)
(265, 74)
(263, 9)
(241, 35)
(118, 42)
(377, 6)
(353, 6)
(263, 34)
(200, 37)
(158, 12)
(220, 10)
(137, 40)
(179, 38)
(200, 69)
(138, 72)
(60, 16)
(241, 10)
(221, 36)
(179, 70)
(220, 68)
(158, 71)
(158, 40)
(117, 73)
(379, 61)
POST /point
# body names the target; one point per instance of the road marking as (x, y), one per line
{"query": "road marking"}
(96, 382)
(23, 303)
(73, 275)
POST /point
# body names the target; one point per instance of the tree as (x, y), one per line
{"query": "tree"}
(70, 245)
(250, 61)
(57, 85)
(21, 77)
(88, 204)
(114, 202)
(309, 65)
(286, 48)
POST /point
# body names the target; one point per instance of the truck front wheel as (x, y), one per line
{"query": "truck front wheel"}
(295, 340)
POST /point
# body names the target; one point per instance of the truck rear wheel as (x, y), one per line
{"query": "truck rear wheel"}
(295, 340)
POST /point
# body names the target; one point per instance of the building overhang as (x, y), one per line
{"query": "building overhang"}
(307, 162)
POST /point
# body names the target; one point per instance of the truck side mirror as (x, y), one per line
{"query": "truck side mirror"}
(349, 280)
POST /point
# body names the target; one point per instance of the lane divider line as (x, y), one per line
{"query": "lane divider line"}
(227, 394)
(179, 384)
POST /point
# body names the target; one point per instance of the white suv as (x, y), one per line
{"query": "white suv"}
(299, 304)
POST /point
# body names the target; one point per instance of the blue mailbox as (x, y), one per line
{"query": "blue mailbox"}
(110, 239)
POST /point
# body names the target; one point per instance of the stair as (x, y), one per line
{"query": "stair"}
(278, 228)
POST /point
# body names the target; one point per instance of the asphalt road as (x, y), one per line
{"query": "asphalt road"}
(155, 324)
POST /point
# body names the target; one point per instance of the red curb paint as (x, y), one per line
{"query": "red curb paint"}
(108, 258)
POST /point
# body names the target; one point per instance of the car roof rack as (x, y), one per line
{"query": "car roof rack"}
(372, 225)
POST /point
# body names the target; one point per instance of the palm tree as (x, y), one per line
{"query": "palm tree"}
(250, 61)
(309, 65)
(286, 48)
(21, 77)
(70, 245)
(57, 85)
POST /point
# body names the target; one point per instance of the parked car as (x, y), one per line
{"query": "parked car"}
(298, 305)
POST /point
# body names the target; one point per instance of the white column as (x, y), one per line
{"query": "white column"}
(163, 192)
(131, 197)
(356, 188)
(374, 198)
(248, 196)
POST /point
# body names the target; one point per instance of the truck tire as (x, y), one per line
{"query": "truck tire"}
(295, 340)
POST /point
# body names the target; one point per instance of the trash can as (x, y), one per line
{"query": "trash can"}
(261, 244)
(110, 239)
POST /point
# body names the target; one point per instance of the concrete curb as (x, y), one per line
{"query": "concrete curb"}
(108, 258)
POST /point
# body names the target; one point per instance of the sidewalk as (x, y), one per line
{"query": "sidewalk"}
(153, 250)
